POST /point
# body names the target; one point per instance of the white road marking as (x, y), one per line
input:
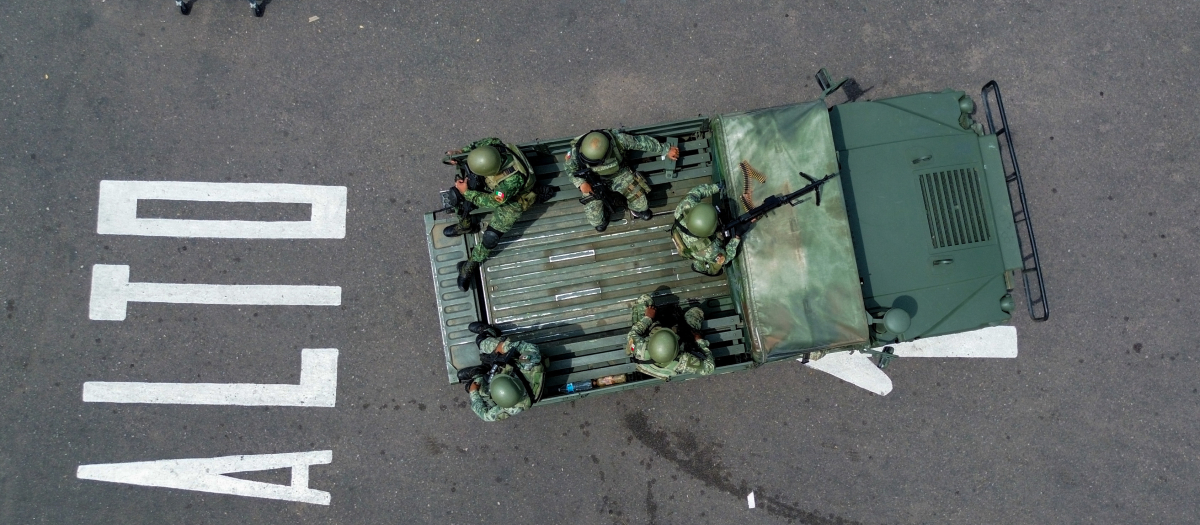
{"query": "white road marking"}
(859, 369)
(997, 342)
(855, 368)
(117, 213)
(112, 291)
(750, 500)
(317, 388)
(205, 475)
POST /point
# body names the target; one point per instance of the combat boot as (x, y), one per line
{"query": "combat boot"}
(644, 215)
(466, 274)
(454, 230)
(603, 226)
(482, 328)
(469, 373)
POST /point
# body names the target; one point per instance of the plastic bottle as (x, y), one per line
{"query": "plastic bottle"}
(581, 386)
(578, 386)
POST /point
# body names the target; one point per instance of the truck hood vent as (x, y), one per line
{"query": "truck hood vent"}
(954, 208)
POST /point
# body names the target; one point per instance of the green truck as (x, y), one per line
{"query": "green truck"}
(922, 233)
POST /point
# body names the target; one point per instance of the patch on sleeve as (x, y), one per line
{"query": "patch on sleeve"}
(499, 196)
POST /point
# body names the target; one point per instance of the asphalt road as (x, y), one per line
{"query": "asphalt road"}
(1097, 421)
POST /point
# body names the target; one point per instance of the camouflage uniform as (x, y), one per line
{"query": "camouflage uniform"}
(507, 194)
(529, 370)
(708, 255)
(622, 179)
(684, 363)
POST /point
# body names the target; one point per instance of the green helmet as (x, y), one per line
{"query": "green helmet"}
(662, 346)
(484, 161)
(701, 220)
(593, 147)
(505, 390)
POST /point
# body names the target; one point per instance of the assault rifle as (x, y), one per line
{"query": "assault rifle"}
(599, 186)
(491, 363)
(452, 200)
(739, 225)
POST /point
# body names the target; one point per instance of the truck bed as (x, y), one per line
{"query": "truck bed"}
(556, 282)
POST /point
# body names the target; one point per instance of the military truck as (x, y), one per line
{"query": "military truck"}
(922, 233)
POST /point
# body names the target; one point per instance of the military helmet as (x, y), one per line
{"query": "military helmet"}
(484, 161)
(505, 390)
(662, 346)
(701, 220)
(593, 147)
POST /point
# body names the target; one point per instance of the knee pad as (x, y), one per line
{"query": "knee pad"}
(491, 238)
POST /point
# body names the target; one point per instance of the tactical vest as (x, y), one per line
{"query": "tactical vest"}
(685, 249)
(661, 372)
(613, 163)
(532, 380)
(517, 164)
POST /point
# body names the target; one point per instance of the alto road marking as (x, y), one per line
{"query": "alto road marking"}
(117, 212)
(317, 388)
(112, 292)
(206, 475)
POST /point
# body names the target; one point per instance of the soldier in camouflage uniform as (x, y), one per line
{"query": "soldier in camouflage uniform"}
(517, 381)
(671, 347)
(499, 178)
(598, 157)
(694, 232)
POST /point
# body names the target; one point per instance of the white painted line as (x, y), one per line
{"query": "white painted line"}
(855, 368)
(575, 255)
(205, 475)
(995, 342)
(112, 291)
(750, 500)
(117, 212)
(317, 388)
(573, 295)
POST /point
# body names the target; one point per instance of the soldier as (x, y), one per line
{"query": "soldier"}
(666, 344)
(694, 232)
(597, 165)
(498, 177)
(510, 378)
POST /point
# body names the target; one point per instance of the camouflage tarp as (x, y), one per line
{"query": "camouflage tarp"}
(795, 280)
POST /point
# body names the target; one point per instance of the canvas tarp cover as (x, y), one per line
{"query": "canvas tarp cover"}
(795, 279)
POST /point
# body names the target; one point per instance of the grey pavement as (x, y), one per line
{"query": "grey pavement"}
(1097, 421)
